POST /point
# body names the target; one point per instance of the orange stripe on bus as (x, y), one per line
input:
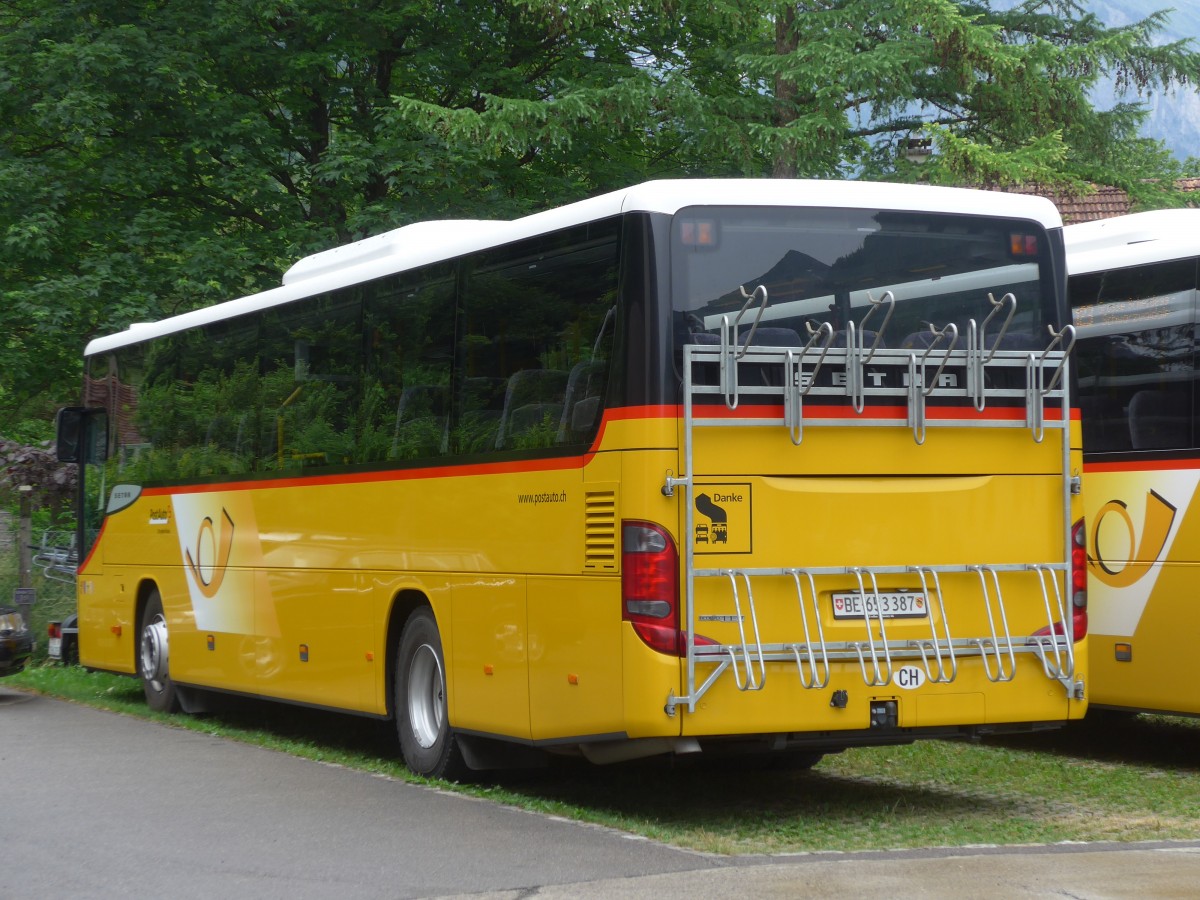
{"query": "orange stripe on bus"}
(1141, 465)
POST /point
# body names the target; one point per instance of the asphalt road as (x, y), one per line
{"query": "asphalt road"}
(99, 805)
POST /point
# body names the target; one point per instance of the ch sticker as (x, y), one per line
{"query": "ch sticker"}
(1121, 570)
(211, 558)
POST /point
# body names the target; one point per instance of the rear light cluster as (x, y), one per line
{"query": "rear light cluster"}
(1076, 588)
(54, 629)
(1079, 597)
(650, 588)
(650, 585)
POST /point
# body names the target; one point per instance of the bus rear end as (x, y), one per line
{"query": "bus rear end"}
(874, 511)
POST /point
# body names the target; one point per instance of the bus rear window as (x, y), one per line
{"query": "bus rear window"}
(827, 265)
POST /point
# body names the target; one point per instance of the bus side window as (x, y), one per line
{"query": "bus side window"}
(480, 405)
(422, 417)
(540, 315)
(1105, 424)
(582, 400)
(533, 405)
(1160, 420)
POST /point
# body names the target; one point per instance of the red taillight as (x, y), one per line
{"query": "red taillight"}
(1023, 244)
(54, 629)
(650, 585)
(1077, 589)
(1079, 619)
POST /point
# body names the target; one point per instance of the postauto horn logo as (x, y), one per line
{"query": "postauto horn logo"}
(211, 557)
(1133, 566)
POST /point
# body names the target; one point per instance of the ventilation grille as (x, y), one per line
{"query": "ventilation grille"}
(600, 531)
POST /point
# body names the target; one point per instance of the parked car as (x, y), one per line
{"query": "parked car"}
(64, 640)
(16, 643)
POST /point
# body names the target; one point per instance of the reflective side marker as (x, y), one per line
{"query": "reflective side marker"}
(212, 642)
(487, 669)
(304, 653)
(572, 678)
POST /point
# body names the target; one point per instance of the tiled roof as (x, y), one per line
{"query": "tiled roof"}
(1100, 203)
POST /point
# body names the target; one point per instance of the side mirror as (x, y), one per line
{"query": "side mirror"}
(68, 430)
(81, 435)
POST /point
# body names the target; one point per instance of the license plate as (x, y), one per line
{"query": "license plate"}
(55, 649)
(889, 604)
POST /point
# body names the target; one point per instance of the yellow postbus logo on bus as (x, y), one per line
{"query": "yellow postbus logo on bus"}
(211, 558)
(220, 561)
(722, 518)
(1132, 528)
(1129, 557)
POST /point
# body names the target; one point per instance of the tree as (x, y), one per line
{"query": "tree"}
(1001, 89)
(159, 156)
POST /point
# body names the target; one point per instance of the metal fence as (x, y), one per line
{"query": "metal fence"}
(37, 574)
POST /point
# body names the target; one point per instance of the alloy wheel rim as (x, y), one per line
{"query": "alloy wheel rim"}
(426, 696)
(155, 652)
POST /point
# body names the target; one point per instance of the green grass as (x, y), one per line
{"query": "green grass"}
(1128, 779)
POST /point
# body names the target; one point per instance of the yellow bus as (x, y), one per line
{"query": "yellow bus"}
(1133, 293)
(698, 466)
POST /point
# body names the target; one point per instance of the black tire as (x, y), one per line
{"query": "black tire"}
(153, 658)
(70, 651)
(427, 742)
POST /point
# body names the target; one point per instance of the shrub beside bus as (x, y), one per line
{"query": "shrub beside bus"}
(692, 467)
(1133, 287)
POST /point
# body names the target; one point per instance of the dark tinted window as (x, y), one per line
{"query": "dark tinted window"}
(408, 367)
(534, 341)
(311, 373)
(825, 265)
(1136, 358)
(410, 347)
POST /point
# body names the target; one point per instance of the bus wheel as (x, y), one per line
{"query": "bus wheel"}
(154, 658)
(427, 743)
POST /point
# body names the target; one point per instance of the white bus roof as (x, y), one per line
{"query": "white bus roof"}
(429, 242)
(1132, 240)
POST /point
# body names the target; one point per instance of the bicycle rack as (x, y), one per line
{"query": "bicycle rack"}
(916, 383)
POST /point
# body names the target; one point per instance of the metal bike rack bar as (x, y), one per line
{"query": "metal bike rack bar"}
(1057, 651)
(1000, 645)
(920, 387)
(978, 355)
(858, 353)
(732, 349)
(795, 387)
(1037, 389)
(816, 656)
(940, 646)
(755, 678)
(877, 677)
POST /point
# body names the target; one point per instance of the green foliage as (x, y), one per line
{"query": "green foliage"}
(543, 433)
(161, 157)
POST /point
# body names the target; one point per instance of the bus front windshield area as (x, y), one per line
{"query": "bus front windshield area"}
(828, 265)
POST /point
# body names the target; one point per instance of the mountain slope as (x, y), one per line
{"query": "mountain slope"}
(1174, 117)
